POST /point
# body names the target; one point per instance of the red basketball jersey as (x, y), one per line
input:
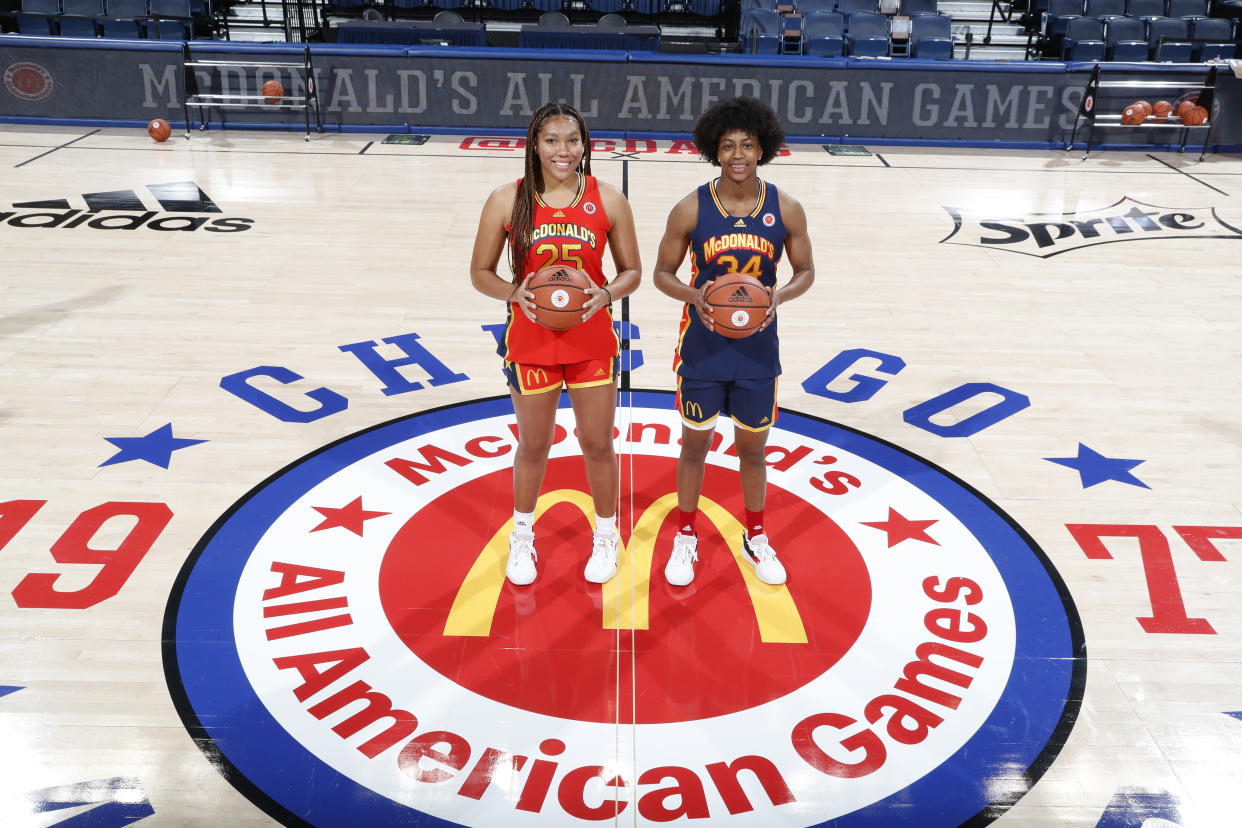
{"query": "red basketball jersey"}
(575, 235)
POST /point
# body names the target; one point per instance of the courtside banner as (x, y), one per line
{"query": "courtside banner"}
(349, 621)
(616, 91)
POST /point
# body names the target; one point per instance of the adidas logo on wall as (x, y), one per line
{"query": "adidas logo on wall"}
(128, 210)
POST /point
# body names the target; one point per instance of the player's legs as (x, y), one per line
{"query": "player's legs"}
(695, 444)
(752, 405)
(595, 408)
(536, 420)
(699, 403)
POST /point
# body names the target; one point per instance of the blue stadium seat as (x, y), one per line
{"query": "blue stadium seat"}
(931, 37)
(806, 7)
(1218, 36)
(125, 18)
(1105, 8)
(1084, 39)
(823, 34)
(760, 31)
(171, 20)
(78, 18)
(1145, 9)
(1168, 39)
(747, 5)
(37, 17)
(1189, 9)
(913, 7)
(1058, 13)
(1126, 38)
(847, 7)
(867, 34)
(704, 8)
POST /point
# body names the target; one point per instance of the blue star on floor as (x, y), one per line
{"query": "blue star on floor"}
(1237, 714)
(1094, 467)
(156, 448)
(5, 689)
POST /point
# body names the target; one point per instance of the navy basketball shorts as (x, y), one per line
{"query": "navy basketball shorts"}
(750, 403)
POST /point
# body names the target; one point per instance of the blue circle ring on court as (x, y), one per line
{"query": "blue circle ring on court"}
(225, 715)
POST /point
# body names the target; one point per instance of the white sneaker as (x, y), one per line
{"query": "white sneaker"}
(680, 568)
(603, 562)
(520, 569)
(763, 558)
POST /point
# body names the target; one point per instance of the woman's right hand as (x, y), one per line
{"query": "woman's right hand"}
(524, 299)
(704, 309)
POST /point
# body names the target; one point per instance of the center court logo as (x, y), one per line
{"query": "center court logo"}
(348, 622)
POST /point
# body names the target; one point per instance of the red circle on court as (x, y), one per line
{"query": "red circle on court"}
(547, 649)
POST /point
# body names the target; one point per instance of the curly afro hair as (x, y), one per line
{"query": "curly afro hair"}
(750, 115)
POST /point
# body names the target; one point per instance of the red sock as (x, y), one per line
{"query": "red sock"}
(754, 523)
(685, 520)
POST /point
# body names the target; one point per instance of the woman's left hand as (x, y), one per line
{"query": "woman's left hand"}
(770, 316)
(600, 298)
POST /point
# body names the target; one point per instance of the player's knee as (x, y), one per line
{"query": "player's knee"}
(534, 449)
(695, 445)
(750, 455)
(595, 446)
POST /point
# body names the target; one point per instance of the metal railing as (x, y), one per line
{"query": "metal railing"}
(1006, 16)
(303, 20)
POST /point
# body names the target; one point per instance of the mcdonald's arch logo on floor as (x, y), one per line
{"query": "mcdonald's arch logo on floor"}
(344, 646)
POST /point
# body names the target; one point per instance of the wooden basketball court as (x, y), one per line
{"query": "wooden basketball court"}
(1056, 341)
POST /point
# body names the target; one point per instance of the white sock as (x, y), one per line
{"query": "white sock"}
(524, 522)
(606, 524)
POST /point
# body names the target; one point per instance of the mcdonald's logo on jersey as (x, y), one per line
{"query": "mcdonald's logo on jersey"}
(376, 644)
(536, 377)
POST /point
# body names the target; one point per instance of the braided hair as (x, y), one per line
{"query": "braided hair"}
(522, 223)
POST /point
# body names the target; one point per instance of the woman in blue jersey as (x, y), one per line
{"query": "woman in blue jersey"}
(736, 223)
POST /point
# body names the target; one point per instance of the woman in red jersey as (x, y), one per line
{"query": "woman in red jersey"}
(557, 213)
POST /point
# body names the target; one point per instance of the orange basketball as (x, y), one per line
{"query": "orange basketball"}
(1143, 105)
(1133, 114)
(273, 91)
(1160, 110)
(560, 293)
(739, 304)
(1182, 107)
(1194, 115)
(159, 130)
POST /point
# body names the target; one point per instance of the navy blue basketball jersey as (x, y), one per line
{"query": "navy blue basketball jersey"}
(720, 244)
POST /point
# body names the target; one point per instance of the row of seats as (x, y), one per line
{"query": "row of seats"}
(704, 8)
(1059, 12)
(155, 19)
(1161, 39)
(907, 7)
(832, 34)
(1132, 8)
